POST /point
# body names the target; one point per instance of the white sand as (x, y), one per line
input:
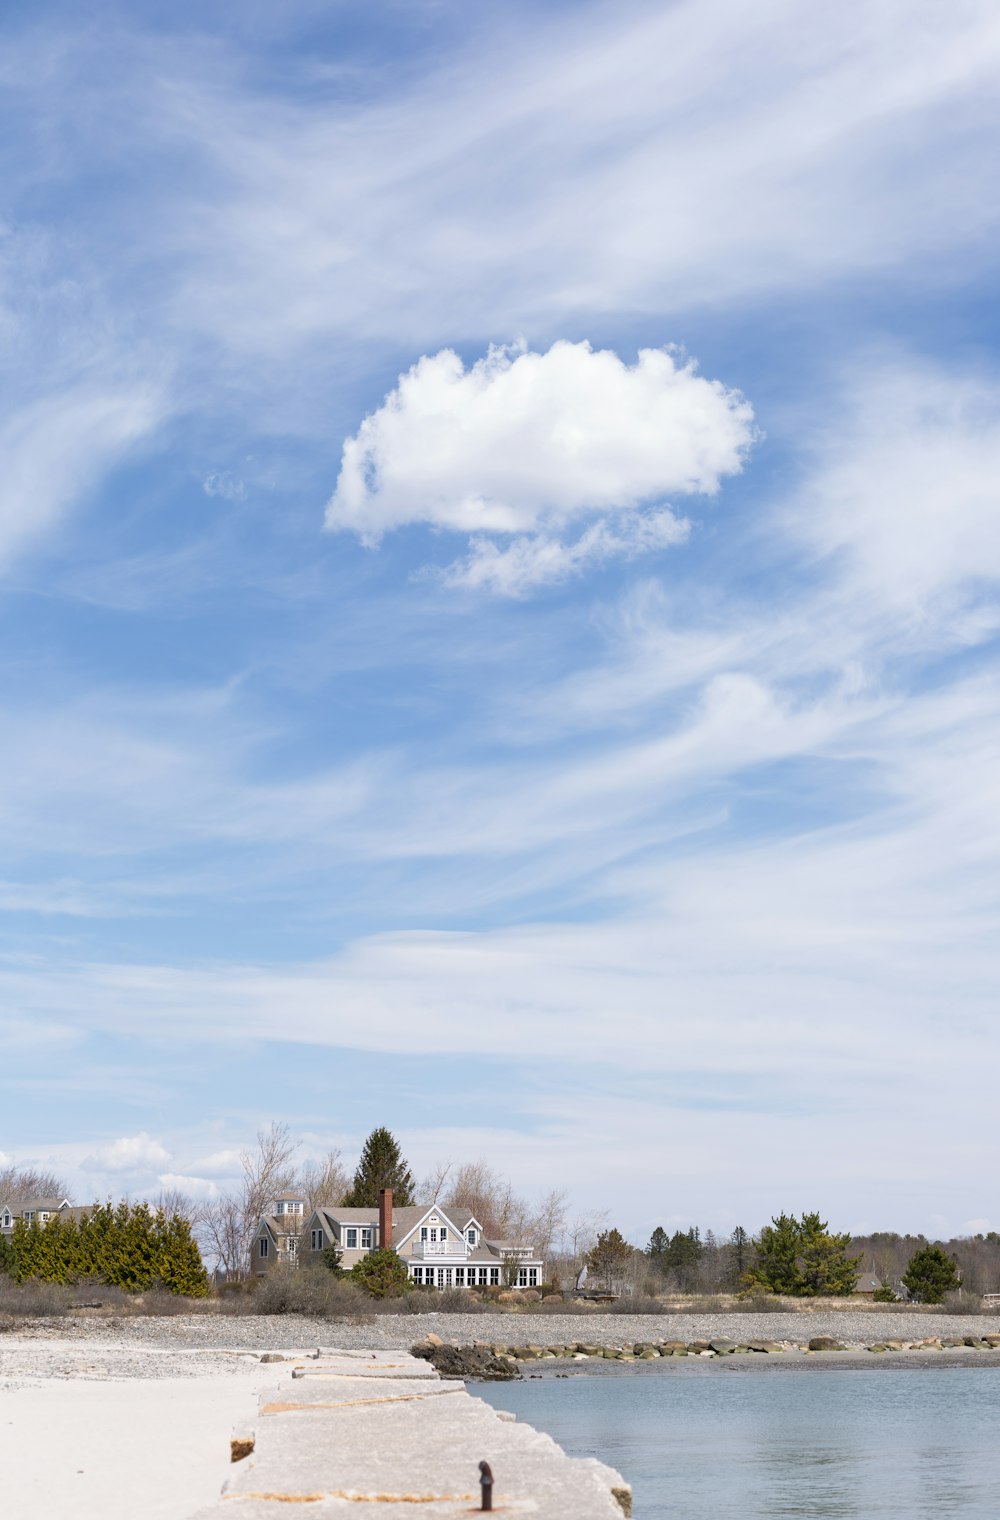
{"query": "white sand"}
(158, 1447)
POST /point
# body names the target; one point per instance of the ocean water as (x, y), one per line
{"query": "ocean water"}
(907, 1443)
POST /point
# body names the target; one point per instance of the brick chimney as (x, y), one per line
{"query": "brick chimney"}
(385, 1218)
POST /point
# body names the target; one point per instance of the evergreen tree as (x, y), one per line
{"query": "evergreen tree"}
(774, 1268)
(27, 1242)
(381, 1166)
(884, 1295)
(382, 1273)
(802, 1259)
(610, 1257)
(179, 1265)
(332, 1257)
(740, 1242)
(659, 1245)
(825, 1269)
(930, 1274)
(8, 1257)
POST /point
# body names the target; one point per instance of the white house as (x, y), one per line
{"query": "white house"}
(442, 1247)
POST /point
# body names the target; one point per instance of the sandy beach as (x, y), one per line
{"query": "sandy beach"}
(109, 1430)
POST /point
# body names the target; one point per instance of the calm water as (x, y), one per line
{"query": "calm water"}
(905, 1443)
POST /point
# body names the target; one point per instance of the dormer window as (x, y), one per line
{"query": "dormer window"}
(471, 1237)
(7, 1220)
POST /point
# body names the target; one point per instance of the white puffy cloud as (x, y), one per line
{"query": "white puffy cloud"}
(130, 1153)
(534, 560)
(523, 442)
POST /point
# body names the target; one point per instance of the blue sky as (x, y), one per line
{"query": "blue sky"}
(499, 552)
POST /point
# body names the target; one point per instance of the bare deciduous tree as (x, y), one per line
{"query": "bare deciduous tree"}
(19, 1184)
(324, 1182)
(228, 1223)
(173, 1201)
(477, 1186)
(432, 1186)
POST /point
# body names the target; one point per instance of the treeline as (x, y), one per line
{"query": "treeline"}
(804, 1258)
(128, 1246)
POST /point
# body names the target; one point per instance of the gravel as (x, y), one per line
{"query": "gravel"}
(190, 1346)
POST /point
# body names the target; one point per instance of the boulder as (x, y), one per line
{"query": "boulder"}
(723, 1348)
(825, 1343)
(465, 1361)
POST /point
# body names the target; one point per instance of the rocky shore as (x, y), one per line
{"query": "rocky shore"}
(502, 1360)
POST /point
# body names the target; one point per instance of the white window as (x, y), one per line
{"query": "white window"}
(43, 1216)
(459, 1277)
(444, 1233)
(434, 1236)
(366, 1238)
(29, 1215)
(471, 1237)
(317, 1240)
(440, 1277)
(352, 1240)
(7, 1221)
(292, 1245)
(423, 1232)
(449, 1277)
(494, 1276)
(263, 1245)
(482, 1277)
(418, 1275)
(533, 1277)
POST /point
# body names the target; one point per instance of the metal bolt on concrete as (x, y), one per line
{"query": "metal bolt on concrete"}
(379, 1434)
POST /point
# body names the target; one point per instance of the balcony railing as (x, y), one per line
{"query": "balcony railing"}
(426, 1248)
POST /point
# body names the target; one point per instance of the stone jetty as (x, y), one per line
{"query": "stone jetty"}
(382, 1433)
(495, 1360)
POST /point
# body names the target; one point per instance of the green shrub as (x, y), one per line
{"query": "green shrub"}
(382, 1273)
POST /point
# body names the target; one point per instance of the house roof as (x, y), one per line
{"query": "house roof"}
(868, 1283)
(406, 1221)
(403, 1220)
(278, 1227)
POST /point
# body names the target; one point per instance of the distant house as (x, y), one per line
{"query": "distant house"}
(442, 1247)
(867, 1284)
(34, 1209)
(279, 1232)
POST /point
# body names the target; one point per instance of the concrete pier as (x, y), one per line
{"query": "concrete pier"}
(380, 1434)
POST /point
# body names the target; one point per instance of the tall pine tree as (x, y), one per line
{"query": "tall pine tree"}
(381, 1166)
